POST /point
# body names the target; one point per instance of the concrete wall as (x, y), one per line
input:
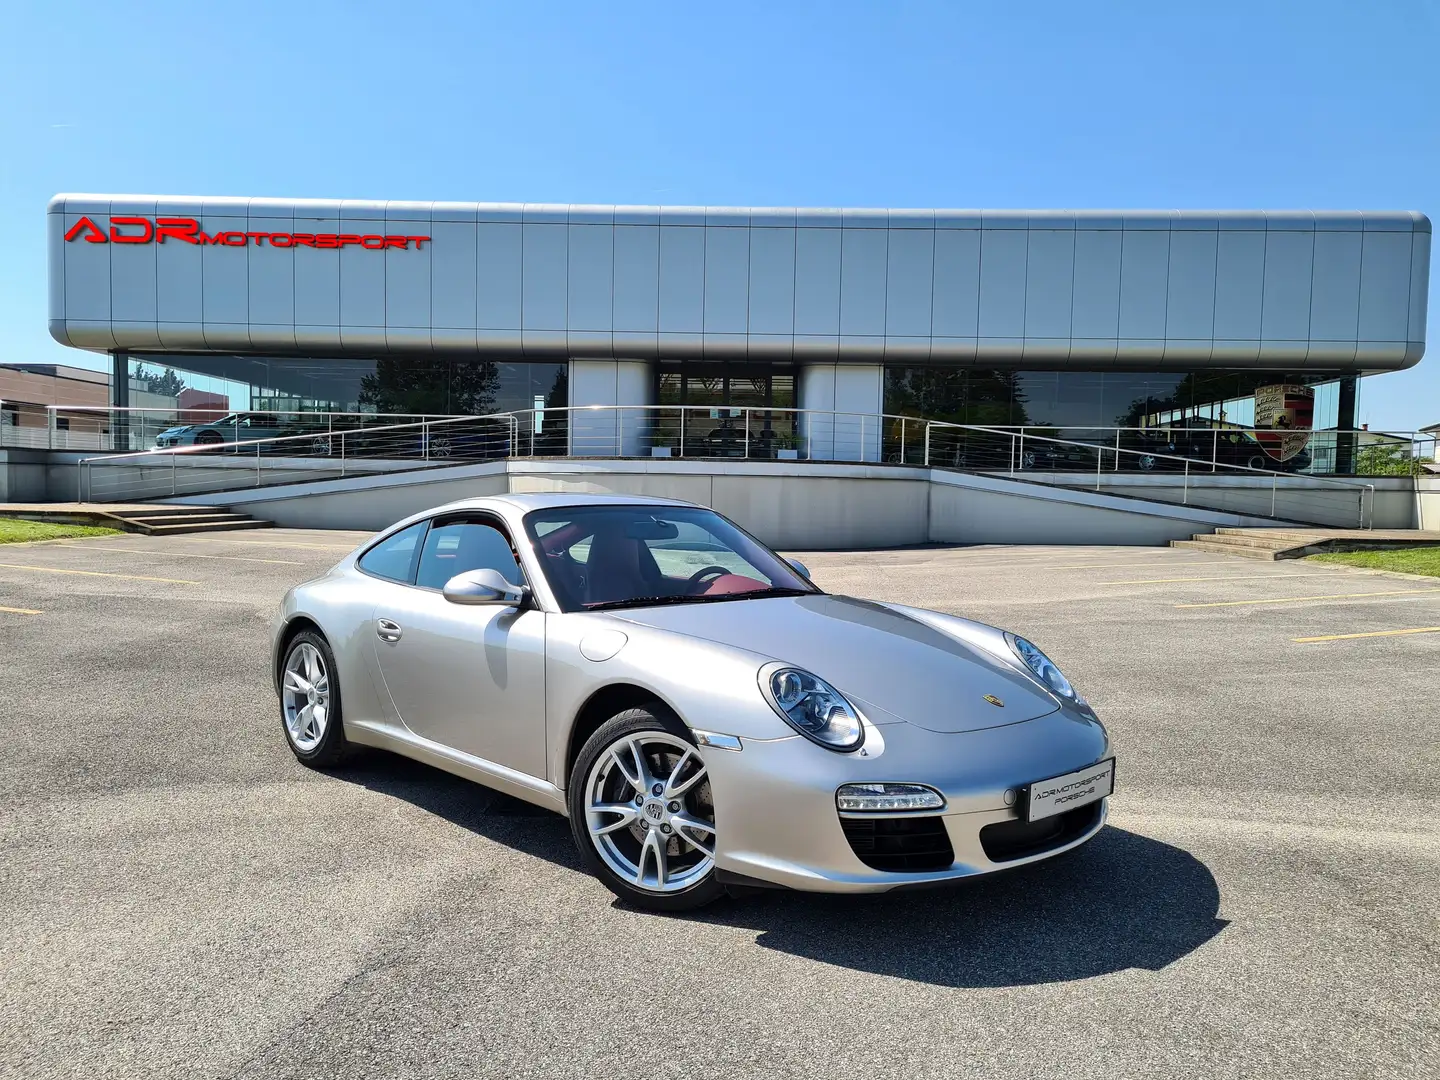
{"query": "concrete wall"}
(1427, 503)
(38, 475)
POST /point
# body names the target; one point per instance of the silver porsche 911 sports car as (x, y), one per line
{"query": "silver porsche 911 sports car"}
(703, 714)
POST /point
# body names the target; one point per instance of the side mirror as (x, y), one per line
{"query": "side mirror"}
(483, 587)
(800, 568)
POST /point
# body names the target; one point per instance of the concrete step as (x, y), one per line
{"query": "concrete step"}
(186, 519)
(1219, 547)
(1289, 536)
(214, 526)
(1269, 543)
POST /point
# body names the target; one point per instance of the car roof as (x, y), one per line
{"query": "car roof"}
(550, 500)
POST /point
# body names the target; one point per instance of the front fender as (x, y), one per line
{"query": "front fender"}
(709, 686)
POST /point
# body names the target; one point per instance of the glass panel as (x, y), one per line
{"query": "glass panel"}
(404, 385)
(460, 546)
(394, 558)
(640, 556)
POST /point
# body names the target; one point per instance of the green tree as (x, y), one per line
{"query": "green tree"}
(1388, 459)
(165, 383)
(436, 388)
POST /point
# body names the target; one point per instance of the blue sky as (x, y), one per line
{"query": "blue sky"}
(1318, 105)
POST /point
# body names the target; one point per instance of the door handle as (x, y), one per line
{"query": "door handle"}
(387, 630)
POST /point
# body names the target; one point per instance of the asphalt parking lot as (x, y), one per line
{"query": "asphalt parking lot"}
(182, 899)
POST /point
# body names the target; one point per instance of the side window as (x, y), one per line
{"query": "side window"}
(458, 546)
(394, 558)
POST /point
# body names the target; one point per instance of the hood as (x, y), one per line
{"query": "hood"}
(176, 430)
(883, 660)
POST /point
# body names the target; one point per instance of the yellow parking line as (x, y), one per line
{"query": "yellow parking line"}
(21, 611)
(95, 573)
(1372, 633)
(197, 555)
(1080, 566)
(1298, 599)
(1227, 577)
(268, 543)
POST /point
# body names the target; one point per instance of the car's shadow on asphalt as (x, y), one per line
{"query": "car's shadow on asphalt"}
(1122, 901)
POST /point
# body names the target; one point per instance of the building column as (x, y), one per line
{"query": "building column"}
(119, 400)
(1345, 421)
(855, 393)
(616, 431)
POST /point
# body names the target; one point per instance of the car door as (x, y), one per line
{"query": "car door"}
(468, 677)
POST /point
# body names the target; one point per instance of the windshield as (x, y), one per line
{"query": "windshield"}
(598, 557)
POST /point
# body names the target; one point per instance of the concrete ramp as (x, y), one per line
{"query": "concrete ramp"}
(786, 504)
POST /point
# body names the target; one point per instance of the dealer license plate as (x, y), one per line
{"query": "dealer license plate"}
(1061, 793)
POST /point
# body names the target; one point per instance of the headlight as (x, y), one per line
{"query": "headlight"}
(812, 707)
(1042, 666)
(874, 798)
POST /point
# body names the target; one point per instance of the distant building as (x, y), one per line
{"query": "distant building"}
(27, 391)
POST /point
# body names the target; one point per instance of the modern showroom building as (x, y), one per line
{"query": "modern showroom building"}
(1052, 319)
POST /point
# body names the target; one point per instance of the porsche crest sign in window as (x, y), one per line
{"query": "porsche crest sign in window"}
(1284, 416)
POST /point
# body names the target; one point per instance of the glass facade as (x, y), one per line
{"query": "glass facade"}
(1088, 406)
(407, 385)
(737, 394)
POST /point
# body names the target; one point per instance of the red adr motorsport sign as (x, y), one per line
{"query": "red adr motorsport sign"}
(141, 230)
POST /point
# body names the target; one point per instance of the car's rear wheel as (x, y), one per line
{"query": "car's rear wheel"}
(310, 702)
(642, 811)
(209, 438)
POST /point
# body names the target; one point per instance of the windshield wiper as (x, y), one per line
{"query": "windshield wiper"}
(643, 601)
(650, 601)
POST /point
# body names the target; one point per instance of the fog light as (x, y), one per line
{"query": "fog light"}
(871, 798)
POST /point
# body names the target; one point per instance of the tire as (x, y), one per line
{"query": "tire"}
(209, 438)
(322, 744)
(1146, 462)
(676, 869)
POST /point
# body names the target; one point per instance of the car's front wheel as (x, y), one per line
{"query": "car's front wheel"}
(642, 812)
(310, 702)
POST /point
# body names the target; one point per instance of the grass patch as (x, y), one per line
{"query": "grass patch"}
(1415, 560)
(15, 531)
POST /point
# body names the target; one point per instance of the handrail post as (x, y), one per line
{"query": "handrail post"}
(927, 443)
(1117, 449)
(173, 481)
(342, 452)
(1185, 487)
(862, 436)
(1019, 462)
(1214, 448)
(425, 436)
(1100, 461)
(619, 442)
(257, 464)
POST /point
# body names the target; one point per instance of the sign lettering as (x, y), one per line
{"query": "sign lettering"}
(139, 230)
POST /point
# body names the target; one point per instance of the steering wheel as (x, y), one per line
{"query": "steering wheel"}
(700, 575)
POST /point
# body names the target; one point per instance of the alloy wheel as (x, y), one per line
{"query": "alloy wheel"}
(305, 693)
(649, 812)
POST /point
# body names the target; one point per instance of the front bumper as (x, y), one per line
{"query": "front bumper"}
(778, 823)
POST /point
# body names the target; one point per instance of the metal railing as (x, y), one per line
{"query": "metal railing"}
(726, 433)
(138, 429)
(1346, 453)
